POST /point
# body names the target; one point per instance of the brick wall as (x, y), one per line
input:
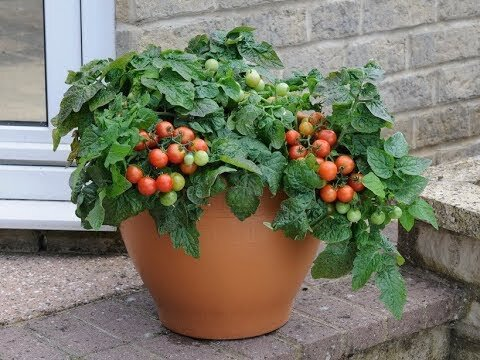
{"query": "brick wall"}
(430, 50)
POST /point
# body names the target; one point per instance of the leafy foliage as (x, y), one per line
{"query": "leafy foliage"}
(110, 101)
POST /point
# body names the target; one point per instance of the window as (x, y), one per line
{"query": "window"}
(40, 42)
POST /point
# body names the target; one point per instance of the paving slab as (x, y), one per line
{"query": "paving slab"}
(34, 285)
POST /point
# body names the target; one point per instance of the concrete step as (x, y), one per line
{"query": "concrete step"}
(329, 321)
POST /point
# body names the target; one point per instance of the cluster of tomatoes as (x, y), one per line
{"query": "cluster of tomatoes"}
(313, 137)
(183, 149)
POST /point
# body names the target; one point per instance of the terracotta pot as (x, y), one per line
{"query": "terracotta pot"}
(242, 285)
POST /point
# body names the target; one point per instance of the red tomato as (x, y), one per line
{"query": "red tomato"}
(164, 129)
(306, 129)
(158, 158)
(327, 170)
(164, 183)
(321, 148)
(345, 193)
(355, 181)
(133, 174)
(176, 153)
(292, 137)
(188, 169)
(146, 186)
(141, 145)
(328, 194)
(198, 144)
(316, 117)
(345, 164)
(297, 152)
(186, 134)
(152, 142)
(327, 135)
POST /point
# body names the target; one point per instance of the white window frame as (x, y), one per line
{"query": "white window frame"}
(32, 176)
(76, 31)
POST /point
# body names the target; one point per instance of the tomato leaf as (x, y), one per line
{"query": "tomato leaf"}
(335, 261)
(241, 163)
(119, 183)
(407, 220)
(203, 107)
(177, 91)
(422, 210)
(300, 178)
(97, 215)
(366, 262)
(393, 292)
(397, 146)
(380, 162)
(373, 183)
(243, 196)
(333, 229)
(117, 153)
(272, 167)
(231, 88)
(412, 165)
(410, 189)
(378, 109)
(292, 217)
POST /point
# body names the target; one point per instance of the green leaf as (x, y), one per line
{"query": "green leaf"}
(272, 167)
(101, 98)
(261, 54)
(299, 177)
(120, 63)
(410, 189)
(275, 132)
(74, 98)
(204, 180)
(206, 90)
(366, 262)
(407, 220)
(96, 216)
(393, 292)
(374, 184)
(145, 118)
(241, 163)
(364, 122)
(380, 162)
(231, 88)
(243, 197)
(203, 107)
(186, 237)
(412, 165)
(246, 118)
(333, 229)
(125, 205)
(422, 210)
(117, 152)
(177, 91)
(396, 145)
(239, 30)
(358, 143)
(198, 45)
(378, 109)
(119, 183)
(185, 65)
(292, 217)
(335, 261)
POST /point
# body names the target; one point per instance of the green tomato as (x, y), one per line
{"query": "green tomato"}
(377, 218)
(260, 86)
(252, 78)
(395, 213)
(169, 198)
(178, 181)
(211, 65)
(342, 208)
(281, 89)
(189, 159)
(354, 215)
(201, 158)
(242, 95)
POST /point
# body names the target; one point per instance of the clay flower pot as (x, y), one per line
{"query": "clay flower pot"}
(242, 285)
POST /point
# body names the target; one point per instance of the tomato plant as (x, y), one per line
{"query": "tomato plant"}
(314, 140)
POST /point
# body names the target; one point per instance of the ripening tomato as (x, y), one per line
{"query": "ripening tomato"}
(328, 193)
(176, 153)
(292, 137)
(297, 152)
(321, 148)
(327, 135)
(142, 145)
(164, 183)
(188, 169)
(316, 117)
(327, 170)
(345, 194)
(146, 186)
(345, 164)
(355, 181)
(198, 144)
(306, 129)
(319, 160)
(186, 134)
(164, 129)
(301, 115)
(133, 174)
(158, 158)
